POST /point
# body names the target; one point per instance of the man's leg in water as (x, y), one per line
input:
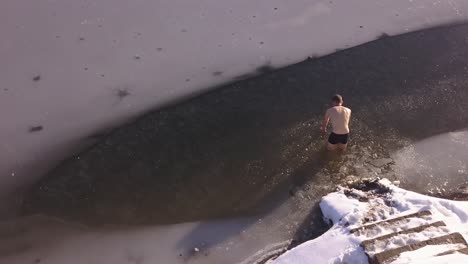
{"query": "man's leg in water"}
(331, 146)
(342, 147)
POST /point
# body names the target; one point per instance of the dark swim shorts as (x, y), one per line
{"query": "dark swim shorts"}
(338, 139)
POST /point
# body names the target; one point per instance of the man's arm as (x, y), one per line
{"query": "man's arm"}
(326, 119)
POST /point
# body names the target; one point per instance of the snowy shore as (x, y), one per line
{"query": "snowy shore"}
(349, 208)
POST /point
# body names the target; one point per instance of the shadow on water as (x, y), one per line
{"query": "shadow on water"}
(288, 187)
(246, 148)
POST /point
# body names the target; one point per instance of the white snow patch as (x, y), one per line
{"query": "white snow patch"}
(335, 246)
(337, 205)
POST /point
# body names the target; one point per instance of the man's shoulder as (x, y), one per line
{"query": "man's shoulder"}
(344, 108)
(336, 109)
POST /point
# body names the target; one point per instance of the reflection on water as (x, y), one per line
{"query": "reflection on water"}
(252, 146)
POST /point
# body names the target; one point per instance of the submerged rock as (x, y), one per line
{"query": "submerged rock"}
(380, 162)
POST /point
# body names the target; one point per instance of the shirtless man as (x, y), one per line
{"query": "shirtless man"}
(339, 117)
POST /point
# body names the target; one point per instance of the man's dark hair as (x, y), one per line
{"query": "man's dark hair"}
(337, 99)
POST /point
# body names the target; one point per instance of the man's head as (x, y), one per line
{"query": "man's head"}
(337, 100)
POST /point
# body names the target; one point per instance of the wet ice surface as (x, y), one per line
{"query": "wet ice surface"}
(436, 165)
(252, 150)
